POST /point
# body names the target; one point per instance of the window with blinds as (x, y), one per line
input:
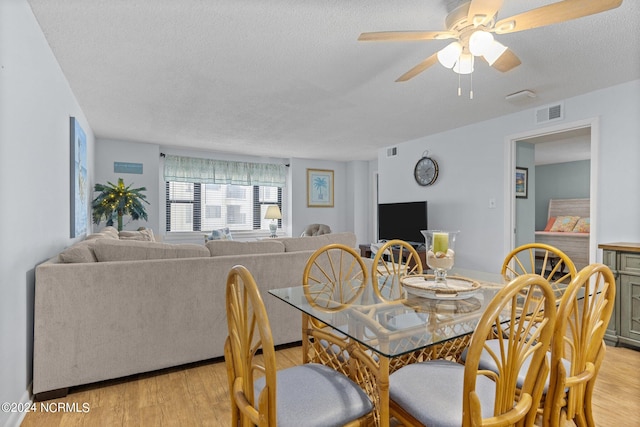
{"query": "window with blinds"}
(193, 206)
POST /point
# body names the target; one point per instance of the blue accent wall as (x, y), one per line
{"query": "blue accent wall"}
(569, 180)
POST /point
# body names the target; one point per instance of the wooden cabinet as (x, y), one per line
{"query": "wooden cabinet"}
(624, 261)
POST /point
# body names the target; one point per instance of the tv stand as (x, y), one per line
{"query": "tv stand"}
(365, 252)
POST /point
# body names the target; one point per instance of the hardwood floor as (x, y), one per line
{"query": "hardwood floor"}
(196, 395)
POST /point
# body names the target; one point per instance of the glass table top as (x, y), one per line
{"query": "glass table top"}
(401, 324)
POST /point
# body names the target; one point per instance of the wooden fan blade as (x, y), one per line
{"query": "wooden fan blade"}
(406, 35)
(419, 68)
(554, 13)
(507, 61)
(482, 11)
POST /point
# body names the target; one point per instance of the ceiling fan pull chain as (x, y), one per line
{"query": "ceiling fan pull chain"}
(471, 85)
(459, 88)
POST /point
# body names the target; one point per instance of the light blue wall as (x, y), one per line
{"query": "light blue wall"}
(35, 105)
(570, 180)
(473, 170)
(352, 191)
(110, 151)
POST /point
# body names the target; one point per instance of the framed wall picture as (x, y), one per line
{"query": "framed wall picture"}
(522, 182)
(319, 188)
(79, 183)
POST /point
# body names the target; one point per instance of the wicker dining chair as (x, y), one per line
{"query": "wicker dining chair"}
(545, 260)
(334, 276)
(442, 392)
(309, 395)
(394, 260)
(578, 346)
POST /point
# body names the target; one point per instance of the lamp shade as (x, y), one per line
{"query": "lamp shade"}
(479, 42)
(450, 54)
(273, 212)
(494, 51)
(464, 65)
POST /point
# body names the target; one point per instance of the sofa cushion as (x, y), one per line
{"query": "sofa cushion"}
(110, 231)
(312, 243)
(231, 247)
(79, 253)
(145, 234)
(131, 250)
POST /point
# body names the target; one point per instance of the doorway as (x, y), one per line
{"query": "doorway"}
(563, 143)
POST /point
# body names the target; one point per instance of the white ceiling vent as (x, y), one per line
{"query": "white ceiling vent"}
(392, 152)
(550, 113)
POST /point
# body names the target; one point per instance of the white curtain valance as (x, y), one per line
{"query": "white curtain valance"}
(208, 171)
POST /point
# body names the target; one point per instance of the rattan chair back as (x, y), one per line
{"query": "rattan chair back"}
(583, 316)
(394, 260)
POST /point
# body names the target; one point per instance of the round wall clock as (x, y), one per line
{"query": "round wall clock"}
(426, 170)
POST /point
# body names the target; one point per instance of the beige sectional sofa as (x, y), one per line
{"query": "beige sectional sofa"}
(108, 307)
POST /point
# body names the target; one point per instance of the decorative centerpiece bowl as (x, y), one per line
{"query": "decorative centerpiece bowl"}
(440, 252)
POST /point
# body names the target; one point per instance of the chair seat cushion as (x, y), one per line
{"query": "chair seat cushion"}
(316, 395)
(432, 392)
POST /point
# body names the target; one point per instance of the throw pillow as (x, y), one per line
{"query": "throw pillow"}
(78, 253)
(221, 234)
(110, 231)
(144, 234)
(565, 223)
(550, 223)
(582, 226)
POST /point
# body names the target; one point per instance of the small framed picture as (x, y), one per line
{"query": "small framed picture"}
(319, 188)
(522, 182)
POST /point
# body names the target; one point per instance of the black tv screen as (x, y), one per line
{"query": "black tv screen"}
(402, 221)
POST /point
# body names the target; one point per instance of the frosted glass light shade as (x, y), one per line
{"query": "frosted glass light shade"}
(479, 42)
(465, 64)
(494, 51)
(450, 54)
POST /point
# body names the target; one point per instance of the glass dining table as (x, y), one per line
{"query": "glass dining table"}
(371, 337)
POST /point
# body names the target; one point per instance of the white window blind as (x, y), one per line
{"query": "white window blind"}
(201, 205)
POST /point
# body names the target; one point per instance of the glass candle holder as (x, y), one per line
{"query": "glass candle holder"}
(440, 252)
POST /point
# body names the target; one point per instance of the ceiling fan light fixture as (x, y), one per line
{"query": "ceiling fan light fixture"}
(450, 54)
(464, 65)
(494, 51)
(479, 42)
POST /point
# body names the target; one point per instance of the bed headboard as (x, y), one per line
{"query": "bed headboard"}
(566, 207)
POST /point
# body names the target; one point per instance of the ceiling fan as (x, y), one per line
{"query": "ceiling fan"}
(471, 24)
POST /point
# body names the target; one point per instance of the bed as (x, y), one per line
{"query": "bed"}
(573, 240)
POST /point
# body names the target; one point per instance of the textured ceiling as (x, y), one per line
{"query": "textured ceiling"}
(288, 78)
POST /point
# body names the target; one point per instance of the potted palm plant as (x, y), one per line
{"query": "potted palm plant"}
(116, 201)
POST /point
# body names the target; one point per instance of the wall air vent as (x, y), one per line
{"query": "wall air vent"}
(550, 113)
(392, 152)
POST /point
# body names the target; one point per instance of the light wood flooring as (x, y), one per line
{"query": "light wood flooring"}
(196, 395)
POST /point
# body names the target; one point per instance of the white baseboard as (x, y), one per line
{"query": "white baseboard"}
(15, 418)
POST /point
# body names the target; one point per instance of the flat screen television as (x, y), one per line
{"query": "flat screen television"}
(402, 221)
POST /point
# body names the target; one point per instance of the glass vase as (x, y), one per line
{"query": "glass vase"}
(441, 253)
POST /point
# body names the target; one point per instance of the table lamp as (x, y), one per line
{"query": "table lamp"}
(273, 213)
